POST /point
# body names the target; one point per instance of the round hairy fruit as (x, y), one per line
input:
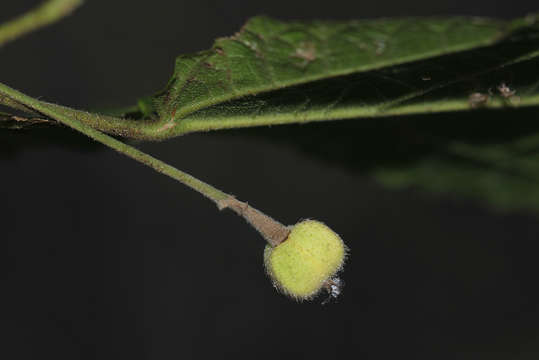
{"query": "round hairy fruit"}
(301, 265)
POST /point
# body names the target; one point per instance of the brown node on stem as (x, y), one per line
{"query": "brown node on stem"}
(273, 231)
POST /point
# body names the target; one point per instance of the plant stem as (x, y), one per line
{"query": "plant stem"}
(45, 14)
(158, 165)
(273, 231)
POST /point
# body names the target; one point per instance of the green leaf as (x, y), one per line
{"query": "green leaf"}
(480, 154)
(498, 165)
(370, 71)
(275, 73)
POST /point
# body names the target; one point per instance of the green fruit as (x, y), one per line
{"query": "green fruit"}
(310, 256)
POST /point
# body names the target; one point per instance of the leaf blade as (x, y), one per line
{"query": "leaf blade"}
(268, 55)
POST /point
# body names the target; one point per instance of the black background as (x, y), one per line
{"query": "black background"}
(104, 259)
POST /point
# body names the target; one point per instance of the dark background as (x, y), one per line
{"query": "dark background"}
(103, 258)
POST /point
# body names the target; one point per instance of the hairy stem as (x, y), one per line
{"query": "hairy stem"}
(158, 165)
(273, 231)
(45, 14)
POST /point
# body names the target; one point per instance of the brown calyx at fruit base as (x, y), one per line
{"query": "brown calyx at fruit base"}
(273, 231)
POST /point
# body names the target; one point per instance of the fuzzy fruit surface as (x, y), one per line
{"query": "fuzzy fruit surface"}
(301, 264)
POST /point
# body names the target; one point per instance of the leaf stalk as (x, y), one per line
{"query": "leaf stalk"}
(272, 231)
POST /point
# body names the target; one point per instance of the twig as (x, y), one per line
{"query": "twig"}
(272, 231)
(43, 15)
